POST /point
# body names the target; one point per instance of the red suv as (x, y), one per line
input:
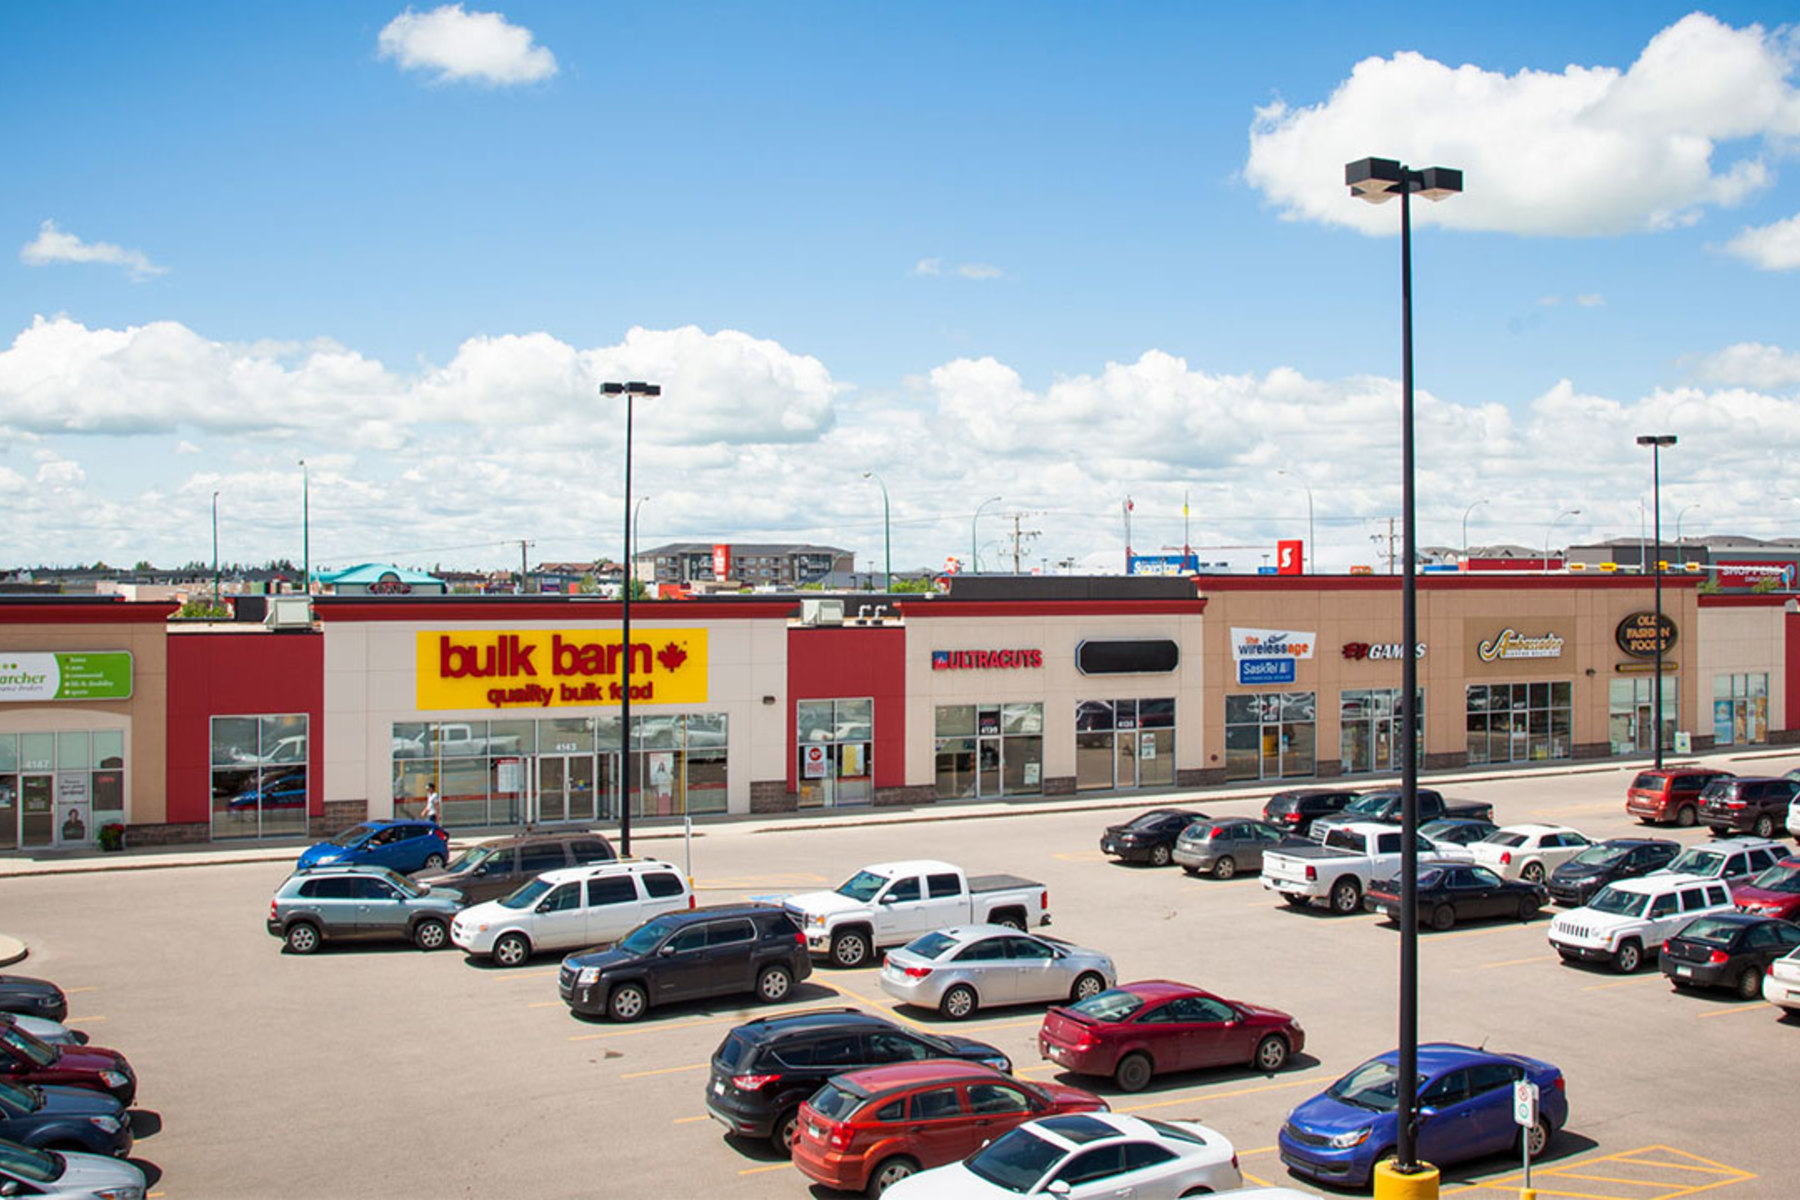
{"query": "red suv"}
(867, 1130)
(1774, 893)
(1672, 794)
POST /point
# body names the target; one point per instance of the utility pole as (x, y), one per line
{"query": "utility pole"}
(522, 569)
(1388, 538)
(1019, 537)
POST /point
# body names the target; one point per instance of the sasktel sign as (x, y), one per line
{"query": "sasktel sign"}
(1265, 656)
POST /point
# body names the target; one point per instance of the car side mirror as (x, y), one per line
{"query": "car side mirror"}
(9, 1188)
(888, 898)
(665, 951)
(1058, 1187)
(544, 907)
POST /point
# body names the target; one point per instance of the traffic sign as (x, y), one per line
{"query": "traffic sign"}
(1525, 1103)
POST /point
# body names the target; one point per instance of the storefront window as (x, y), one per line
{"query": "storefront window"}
(259, 776)
(1004, 757)
(9, 791)
(836, 752)
(1519, 722)
(1740, 709)
(1369, 728)
(1271, 735)
(1124, 744)
(1629, 705)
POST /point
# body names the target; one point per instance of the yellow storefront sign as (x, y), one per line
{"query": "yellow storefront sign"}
(556, 668)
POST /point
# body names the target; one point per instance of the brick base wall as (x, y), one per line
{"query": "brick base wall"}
(338, 816)
(1589, 750)
(1205, 777)
(772, 796)
(1446, 762)
(1328, 770)
(1784, 737)
(1059, 785)
(179, 834)
(915, 796)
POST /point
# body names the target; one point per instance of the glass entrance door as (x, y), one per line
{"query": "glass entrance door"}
(565, 788)
(37, 816)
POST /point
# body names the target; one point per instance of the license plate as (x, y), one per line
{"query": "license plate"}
(816, 1133)
(719, 1087)
(1685, 972)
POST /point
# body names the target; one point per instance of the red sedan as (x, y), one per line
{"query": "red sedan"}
(1137, 1030)
(26, 1060)
(1774, 893)
(867, 1130)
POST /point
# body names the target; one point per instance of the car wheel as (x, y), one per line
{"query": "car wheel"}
(1628, 957)
(774, 983)
(1765, 826)
(1528, 908)
(1295, 900)
(1133, 1072)
(303, 937)
(434, 862)
(1532, 872)
(430, 934)
(958, 1003)
(1011, 920)
(1087, 984)
(1225, 868)
(785, 1131)
(1346, 897)
(1749, 984)
(627, 1002)
(1685, 816)
(1161, 856)
(890, 1172)
(1271, 1053)
(849, 949)
(1443, 917)
(512, 950)
(1536, 1139)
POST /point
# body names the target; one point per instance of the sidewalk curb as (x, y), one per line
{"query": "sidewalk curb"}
(12, 950)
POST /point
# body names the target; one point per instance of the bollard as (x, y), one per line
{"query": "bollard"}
(1391, 1184)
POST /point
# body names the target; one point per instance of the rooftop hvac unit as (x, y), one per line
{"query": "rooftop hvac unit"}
(821, 612)
(289, 612)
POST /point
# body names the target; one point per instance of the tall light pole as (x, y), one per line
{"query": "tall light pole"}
(974, 548)
(887, 533)
(1573, 512)
(637, 510)
(1678, 543)
(630, 391)
(1465, 541)
(306, 526)
(1311, 545)
(1656, 441)
(215, 553)
(1378, 180)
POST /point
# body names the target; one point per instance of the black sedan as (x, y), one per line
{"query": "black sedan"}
(64, 1118)
(1580, 879)
(1457, 892)
(1727, 950)
(32, 997)
(1150, 837)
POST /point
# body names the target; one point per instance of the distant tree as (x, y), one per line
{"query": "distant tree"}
(1708, 587)
(1767, 584)
(201, 608)
(922, 585)
(143, 565)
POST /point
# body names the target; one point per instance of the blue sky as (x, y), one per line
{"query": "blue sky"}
(1058, 253)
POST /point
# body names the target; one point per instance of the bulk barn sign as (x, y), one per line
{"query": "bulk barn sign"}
(556, 668)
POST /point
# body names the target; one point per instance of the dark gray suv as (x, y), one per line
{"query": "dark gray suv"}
(320, 904)
(497, 868)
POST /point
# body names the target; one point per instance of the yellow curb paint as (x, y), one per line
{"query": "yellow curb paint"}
(1516, 962)
(763, 1170)
(665, 1071)
(1730, 1012)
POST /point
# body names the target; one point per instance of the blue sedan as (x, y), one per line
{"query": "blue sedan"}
(401, 846)
(1465, 1111)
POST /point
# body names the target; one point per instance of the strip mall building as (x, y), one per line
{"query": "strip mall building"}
(112, 713)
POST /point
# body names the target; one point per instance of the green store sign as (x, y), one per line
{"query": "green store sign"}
(65, 675)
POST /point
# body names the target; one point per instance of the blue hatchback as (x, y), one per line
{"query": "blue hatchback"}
(1465, 1111)
(400, 846)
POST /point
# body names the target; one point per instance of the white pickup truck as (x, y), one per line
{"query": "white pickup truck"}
(890, 904)
(1339, 870)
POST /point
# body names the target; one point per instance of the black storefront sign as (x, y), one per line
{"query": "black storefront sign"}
(1637, 636)
(1140, 656)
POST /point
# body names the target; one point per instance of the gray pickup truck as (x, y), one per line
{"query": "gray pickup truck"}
(1383, 805)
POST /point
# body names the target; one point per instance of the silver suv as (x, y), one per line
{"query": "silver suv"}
(344, 903)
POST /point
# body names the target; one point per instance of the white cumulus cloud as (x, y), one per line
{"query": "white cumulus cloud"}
(1585, 150)
(53, 245)
(481, 47)
(1770, 247)
(1751, 364)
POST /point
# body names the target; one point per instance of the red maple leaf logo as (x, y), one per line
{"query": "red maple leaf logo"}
(671, 657)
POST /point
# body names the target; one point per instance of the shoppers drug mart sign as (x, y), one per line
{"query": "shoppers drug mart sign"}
(66, 675)
(555, 668)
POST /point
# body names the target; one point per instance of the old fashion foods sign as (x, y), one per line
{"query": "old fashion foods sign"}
(554, 668)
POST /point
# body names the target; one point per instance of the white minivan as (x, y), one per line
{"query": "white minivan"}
(571, 908)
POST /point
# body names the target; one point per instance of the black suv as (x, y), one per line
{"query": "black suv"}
(689, 955)
(764, 1070)
(1580, 879)
(1295, 811)
(497, 868)
(1747, 805)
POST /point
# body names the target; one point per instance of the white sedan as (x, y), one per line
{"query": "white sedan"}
(1084, 1156)
(1781, 982)
(1528, 852)
(959, 970)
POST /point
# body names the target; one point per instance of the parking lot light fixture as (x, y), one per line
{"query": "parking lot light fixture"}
(1656, 441)
(1378, 180)
(629, 391)
(887, 533)
(1573, 512)
(974, 522)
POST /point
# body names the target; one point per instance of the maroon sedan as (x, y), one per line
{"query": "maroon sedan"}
(1137, 1030)
(27, 1059)
(1774, 893)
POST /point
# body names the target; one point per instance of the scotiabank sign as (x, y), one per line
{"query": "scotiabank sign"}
(986, 660)
(554, 668)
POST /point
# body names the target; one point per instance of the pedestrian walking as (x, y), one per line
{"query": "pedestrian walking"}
(431, 804)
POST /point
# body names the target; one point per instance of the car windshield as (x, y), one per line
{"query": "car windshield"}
(836, 1101)
(1372, 803)
(647, 937)
(527, 895)
(1782, 877)
(17, 1101)
(1149, 820)
(35, 1166)
(1370, 1086)
(1620, 903)
(471, 858)
(1710, 931)
(407, 887)
(1650, 781)
(1111, 1006)
(1015, 1162)
(862, 886)
(931, 945)
(1698, 861)
(352, 835)
(23, 1045)
(1602, 855)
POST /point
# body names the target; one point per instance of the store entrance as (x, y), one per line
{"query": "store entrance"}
(37, 811)
(565, 789)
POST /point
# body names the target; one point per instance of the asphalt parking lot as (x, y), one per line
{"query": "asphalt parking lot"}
(388, 1072)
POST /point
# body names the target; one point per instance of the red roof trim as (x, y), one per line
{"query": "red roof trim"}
(1762, 600)
(1482, 581)
(915, 609)
(119, 612)
(579, 612)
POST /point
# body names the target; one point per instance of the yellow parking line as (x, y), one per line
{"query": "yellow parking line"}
(80, 989)
(636, 1030)
(538, 974)
(690, 1120)
(1618, 983)
(1514, 962)
(763, 1170)
(665, 1071)
(1197, 1097)
(545, 1004)
(1726, 1012)
(1258, 1150)
(83, 1020)
(1258, 1180)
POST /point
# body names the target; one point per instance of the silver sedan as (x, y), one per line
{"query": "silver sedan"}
(958, 970)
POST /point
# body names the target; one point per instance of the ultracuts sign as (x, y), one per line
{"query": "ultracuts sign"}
(66, 675)
(1510, 644)
(985, 660)
(553, 668)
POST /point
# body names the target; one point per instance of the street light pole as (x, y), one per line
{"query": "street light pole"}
(306, 526)
(215, 553)
(1656, 441)
(1678, 542)
(637, 510)
(974, 547)
(1378, 180)
(1573, 512)
(887, 533)
(629, 391)
(1465, 541)
(1311, 544)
